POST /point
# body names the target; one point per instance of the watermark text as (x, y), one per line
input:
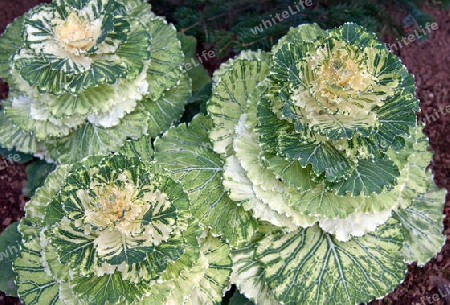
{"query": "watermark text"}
(273, 20)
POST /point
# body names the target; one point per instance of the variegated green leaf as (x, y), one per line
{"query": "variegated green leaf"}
(168, 108)
(141, 149)
(422, 222)
(311, 267)
(12, 136)
(229, 99)
(20, 110)
(186, 152)
(34, 286)
(249, 276)
(291, 173)
(96, 140)
(134, 50)
(204, 283)
(10, 43)
(396, 117)
(107, 289)
(166, 57)
(322, 156)
(369, 176)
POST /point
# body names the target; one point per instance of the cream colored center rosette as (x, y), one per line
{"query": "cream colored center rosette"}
(77, 34)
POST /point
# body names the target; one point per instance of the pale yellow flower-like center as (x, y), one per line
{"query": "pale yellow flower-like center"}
(340, 91)
(115, 209)
(345, 73)
(340, 74)
(77, 34)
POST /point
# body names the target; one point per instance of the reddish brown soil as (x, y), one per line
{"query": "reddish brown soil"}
(429, 61)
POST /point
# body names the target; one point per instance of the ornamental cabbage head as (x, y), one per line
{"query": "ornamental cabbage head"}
(117, 230)
(320, 144)
(86, 75)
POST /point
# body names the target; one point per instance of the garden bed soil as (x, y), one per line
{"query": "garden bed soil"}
(428, 60)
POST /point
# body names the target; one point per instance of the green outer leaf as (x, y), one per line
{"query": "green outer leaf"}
(396, 117)
(204, 283)
(141, 149)
(186, 152)
(229, 99)
(216, 278)
(311, 267)
(107, 289)
(91, 99)
(35, 209)
(422, 223)
(38, 71)
(249, 276)
(168, 108)
(10, 240)
(13, 137)
(134, 50)
(291, 173)
(10, 43)
(166, 57)
(34, 285)
(96, 140)
(42, 129)
(369, 176)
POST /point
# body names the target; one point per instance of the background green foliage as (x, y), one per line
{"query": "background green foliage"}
(226, 26)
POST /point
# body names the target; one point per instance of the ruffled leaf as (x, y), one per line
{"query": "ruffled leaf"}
(186, 152)
(169, 107)
(422, 222)
(10, 43)
(311, 267)
(96, 140)
(229, 100)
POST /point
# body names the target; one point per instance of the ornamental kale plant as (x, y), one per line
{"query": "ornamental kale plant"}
(320, 144)
(86, 75)
(116, 230)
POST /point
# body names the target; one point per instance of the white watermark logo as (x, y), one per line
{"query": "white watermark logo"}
(10, 159)
(417, 35)
(10, 250)
(205, 56)
(273, 20)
